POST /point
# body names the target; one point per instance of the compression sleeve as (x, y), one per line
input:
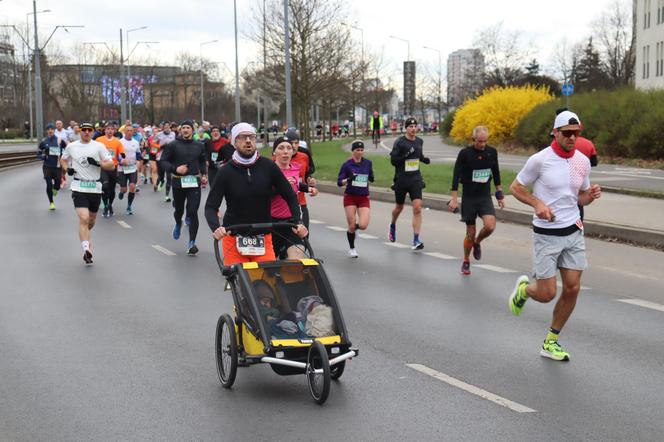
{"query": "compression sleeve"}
(458, 165)
(495, 170)
(396, 155)
(371, 174)
(213, 202)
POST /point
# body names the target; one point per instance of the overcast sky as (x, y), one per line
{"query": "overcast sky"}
(439, 24)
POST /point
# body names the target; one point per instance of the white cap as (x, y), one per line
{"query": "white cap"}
(239, 128)
(566, 118)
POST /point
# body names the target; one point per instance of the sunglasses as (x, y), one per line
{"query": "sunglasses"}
(569, 133)
(86, 129)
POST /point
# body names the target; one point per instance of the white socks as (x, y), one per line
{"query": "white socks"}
(85, 245)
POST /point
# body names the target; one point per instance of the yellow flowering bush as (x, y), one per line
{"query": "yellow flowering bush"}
(498, 108)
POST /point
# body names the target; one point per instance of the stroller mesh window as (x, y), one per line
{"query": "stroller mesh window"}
(293, 302)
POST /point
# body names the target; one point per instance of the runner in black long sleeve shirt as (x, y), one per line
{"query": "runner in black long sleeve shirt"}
(186, 159)
(248, 183)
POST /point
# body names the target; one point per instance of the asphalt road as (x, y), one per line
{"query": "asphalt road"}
(632, 178)
(123, 350)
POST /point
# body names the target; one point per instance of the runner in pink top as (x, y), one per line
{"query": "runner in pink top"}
(286, 243)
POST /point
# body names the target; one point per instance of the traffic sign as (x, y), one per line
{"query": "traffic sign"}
(567, 89)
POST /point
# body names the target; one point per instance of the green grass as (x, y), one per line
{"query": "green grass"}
(329, 155)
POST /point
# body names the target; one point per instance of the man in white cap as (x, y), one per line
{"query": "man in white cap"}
(559, 175)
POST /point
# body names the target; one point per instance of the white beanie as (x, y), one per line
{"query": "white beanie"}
(239, 128)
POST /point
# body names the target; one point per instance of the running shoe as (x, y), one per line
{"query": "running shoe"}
(418, 245)
(352, 253)
(192, 248)
(465, 268)
(87, 257)
(187, 221)
(160, 187)
(55, 192)
(167, 199)
(105, 213)
(138, 190)
(176, 230)
(51, 206)
(553, 350)
(393, 233)
(515, 302)
(129, 211)
(110, 211)
(477, 251)
(121, 195)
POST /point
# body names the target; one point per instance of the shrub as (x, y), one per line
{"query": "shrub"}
(446, 126)
(624, 123)
(498, 108)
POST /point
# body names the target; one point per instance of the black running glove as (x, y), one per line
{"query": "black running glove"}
(70, 171)
(426, 160)
(93, 161)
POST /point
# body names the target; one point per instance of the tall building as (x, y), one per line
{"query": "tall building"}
(649, 28)
(7, 72)
(465, 75)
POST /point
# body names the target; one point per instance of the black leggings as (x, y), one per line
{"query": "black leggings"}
(160, 177)
(109, 179)
(192, 197)
(52, 175)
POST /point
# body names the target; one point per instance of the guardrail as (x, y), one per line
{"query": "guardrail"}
(8, 159)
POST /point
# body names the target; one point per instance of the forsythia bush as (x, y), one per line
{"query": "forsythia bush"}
(498, 108)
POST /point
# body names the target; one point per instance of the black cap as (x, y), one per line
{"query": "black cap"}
(50, 126)
(187, 123)
(410, 121)
(357, 144)
(86, 125)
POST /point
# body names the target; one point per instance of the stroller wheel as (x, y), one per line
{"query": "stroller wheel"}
(337, 370)
(226, 350)
(318, 372)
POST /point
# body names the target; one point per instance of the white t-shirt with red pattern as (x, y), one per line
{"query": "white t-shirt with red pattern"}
(557, 182)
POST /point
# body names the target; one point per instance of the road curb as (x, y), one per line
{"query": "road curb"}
(604, 231)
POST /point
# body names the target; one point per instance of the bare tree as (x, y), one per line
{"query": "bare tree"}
(613, 31)
(505, 53)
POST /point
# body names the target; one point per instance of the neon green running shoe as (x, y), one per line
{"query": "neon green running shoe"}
(553, 350)
(55, 192)
(516, 302)
(51, 206)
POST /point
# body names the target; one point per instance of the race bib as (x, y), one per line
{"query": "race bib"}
(412, 165)
(128, 168)
(361, 180)
(481, 175)
(85, 186)
(214, 156)
(253, 245)
(55, 151)
(154, 151)
(189, 181)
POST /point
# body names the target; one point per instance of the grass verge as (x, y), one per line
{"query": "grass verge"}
(329, 155)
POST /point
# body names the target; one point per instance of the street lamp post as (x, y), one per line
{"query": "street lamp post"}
(237, 68)
(128, 67)
(289, 102)
(406, 102)
(27, 39)
(202, 85)
(440, 79)
(364, 117)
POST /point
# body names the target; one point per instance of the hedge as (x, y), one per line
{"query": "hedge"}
(623, 123)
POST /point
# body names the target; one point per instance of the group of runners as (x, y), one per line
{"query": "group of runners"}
(259, 190)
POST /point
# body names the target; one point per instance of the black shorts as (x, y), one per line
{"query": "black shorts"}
(153, 157)
(412, 188)
(123, 179)
(283, 238)
(90, 201)
(52, 173)
(472, 207)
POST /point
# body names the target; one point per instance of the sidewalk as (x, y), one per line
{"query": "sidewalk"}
(614, 216)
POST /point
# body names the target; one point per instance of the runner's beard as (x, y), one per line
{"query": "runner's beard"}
(245, 155)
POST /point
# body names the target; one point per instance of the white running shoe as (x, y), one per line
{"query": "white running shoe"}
(352, 253)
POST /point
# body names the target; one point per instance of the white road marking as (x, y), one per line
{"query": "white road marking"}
(398, 245)
(642, 303)
(494, 268)
(583, 287)
(124, 224)
(514, 406)
(366, 236)
(163, 250)
(316, 221)
(439, 255)
(337, 228)
(635, 175)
